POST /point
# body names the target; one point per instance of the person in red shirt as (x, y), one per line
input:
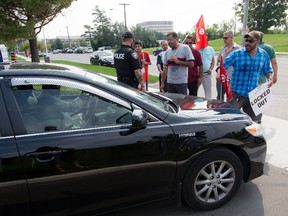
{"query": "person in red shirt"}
(145, 60)
(195, 73)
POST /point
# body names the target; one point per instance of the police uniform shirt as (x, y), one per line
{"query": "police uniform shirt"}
(126, 61)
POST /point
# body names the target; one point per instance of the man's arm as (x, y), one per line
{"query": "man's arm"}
(212, 65)
(201, 72)
(275, 69)
(182, 63)
(139, 77)
(164, 75)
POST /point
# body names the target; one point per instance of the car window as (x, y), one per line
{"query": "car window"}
(49, 107)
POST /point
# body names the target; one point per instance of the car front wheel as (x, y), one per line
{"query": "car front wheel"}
(213, 179)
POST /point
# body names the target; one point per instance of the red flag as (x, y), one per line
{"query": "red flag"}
(201, 39)
(225, 80)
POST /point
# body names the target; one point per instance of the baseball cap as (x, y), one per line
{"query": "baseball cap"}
(253, 34)
(127, 34)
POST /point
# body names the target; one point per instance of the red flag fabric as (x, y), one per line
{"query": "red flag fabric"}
(201, 39)
(225, 80)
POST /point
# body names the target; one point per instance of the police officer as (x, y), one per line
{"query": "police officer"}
(127, 63)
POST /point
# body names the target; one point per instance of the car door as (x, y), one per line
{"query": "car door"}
(82, 157)
(14, 197)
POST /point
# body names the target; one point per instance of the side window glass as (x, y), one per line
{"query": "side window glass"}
(47, 108)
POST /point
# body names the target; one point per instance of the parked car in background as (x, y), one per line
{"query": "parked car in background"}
(104, 58)
(78, 143)
(157, 51)
(88, 50)
(42, 54)
(57, 51)
(79, 50)
(105, 48)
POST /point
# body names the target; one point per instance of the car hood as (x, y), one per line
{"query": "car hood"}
(205, 109)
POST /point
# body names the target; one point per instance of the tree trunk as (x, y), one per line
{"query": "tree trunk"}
(34, 50)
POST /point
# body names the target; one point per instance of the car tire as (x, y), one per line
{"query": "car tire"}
(204, 189)
(154, 53)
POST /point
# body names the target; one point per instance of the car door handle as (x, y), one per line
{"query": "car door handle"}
(45, 156)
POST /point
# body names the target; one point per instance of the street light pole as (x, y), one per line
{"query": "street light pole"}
(245, 18)
(124, 4)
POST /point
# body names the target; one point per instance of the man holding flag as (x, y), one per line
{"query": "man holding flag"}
(207, 53)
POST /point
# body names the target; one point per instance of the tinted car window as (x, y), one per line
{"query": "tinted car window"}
(47, 108)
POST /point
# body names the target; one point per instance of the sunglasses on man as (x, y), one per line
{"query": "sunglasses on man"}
(247, 40)
(188, 42)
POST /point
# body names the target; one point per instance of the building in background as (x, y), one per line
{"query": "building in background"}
(159, 26)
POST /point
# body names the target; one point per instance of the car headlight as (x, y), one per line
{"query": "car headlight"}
(255, 129)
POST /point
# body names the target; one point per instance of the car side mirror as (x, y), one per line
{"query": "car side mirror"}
(139, 119)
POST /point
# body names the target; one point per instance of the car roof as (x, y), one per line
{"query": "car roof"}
(49, 69)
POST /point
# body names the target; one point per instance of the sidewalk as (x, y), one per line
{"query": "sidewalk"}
(276, 134)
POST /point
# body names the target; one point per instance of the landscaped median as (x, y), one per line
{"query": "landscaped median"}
(100, 69)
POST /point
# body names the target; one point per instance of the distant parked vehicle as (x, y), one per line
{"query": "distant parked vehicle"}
(42, 54)
(56, 51)
(79, 50)
(102, 58)
(105, 48)
(87, 49)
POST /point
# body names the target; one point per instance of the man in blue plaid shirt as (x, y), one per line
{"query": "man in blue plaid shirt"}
(248, 63)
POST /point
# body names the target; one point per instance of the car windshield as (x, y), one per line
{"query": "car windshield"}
(153, 99)
(105, 54)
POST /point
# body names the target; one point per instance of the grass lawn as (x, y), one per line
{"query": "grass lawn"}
(99, 69)
(278, 41)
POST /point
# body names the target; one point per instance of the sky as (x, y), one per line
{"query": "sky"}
(184, 14)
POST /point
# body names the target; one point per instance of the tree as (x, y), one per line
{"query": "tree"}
(25, 19)
(103, 35)
(263, 14)
(146, 36)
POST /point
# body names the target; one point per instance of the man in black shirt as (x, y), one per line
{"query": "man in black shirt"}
(127, 63)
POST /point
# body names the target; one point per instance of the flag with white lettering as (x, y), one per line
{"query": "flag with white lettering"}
(201, 39)
(225, 80)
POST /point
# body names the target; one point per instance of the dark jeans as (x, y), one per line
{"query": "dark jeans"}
(177, 88)
(240, 101)
(193, 88)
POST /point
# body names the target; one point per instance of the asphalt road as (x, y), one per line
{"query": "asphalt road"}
(264, 196)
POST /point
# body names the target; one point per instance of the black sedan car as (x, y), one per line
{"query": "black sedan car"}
(77, 143)
(100, 58)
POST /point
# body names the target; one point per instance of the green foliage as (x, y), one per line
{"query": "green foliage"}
(25, 18)
(278, 41)
(147, 37)
(102, 34)
(57, 44)
(264, 14)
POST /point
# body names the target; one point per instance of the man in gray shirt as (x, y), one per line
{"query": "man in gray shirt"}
(176, 62)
